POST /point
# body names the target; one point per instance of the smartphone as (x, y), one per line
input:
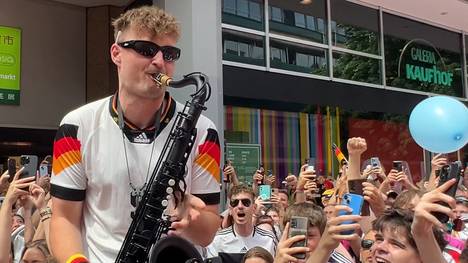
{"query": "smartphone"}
(375, 162)
(227, 177)
(310, 164)
(43, 169)
(354, 201)
(398, 165)
(29, 162)
(355, 187)
(261, 168)
(298, 226)
(264, 191)
(275, 191)
(11, 168)
(447, 173)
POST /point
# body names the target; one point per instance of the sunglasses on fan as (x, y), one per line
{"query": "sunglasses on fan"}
(366, 244)
(149, 49)
(245, 202)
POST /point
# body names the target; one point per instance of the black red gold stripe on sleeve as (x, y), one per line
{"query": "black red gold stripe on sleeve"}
(67, 148)
(209, 154)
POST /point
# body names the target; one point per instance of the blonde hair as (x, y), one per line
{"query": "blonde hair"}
(40, 244)
(258, 252)
(314, 213)
(148, 19)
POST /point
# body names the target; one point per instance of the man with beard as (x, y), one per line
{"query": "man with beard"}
(233, 242)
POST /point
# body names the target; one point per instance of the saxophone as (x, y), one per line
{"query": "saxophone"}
(143, 241)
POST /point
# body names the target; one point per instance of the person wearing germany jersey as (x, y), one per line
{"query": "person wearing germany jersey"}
(233, 242)
(105, 151)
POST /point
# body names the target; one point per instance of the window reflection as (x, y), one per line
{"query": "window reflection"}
(406, 69)
(241, 47)
(294, 19)
(245, 13)
(358, 32)
(356, 68)
(289, 56)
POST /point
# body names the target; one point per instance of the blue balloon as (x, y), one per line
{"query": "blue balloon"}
(440, 124)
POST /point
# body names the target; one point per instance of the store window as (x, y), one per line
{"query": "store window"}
(422, 57)
(244, 13)
(297, 57)
(356, 68)
(244, 48)
(359, 31)
(388, 138)
(288, 138)
(290, 18)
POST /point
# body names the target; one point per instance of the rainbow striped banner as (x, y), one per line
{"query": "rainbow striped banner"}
(286, 138)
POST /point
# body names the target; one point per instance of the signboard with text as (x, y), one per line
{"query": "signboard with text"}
(421, 61)
(10, 65)
(245, 158)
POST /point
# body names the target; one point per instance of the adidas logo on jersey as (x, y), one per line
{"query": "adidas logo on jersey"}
(243, 250)
(141, 138)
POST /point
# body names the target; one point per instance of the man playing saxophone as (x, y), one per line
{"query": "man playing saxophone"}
(105, 151)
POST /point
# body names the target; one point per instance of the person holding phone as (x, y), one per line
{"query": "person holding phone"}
(105, 151)
(316, 232)
(306, 183)
(398, 231)
(4, 181)
(7, 225)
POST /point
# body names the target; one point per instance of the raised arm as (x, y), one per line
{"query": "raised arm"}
(14, 192)
(333, 234)
(356, 146)
(424, 221)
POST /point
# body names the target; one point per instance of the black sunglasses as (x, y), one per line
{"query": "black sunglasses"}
(245, 202)
(149, 49)
(367, 243)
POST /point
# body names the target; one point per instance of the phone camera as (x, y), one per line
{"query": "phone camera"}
(293, 224)
(24, 160)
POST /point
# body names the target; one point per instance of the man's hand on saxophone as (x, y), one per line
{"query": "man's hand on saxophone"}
(191, 218)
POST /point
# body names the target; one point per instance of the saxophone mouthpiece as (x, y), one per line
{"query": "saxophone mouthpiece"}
(161, 79)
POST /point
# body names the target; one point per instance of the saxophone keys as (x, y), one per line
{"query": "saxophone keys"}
(171, 182)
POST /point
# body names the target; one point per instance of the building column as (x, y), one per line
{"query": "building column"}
(201, 47)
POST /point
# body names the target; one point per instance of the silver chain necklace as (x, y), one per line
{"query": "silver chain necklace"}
(136, 193)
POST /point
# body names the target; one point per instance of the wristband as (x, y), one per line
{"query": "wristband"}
(45, 218)
(77, 258)
(45, 212)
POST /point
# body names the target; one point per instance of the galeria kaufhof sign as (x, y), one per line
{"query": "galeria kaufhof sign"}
(421, 61)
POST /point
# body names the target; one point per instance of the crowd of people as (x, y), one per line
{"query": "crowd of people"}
(403, 225)
(104, 153)
(404, 222)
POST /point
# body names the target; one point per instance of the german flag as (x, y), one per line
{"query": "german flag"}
(209, 154)
(339, 155)
(67, 148)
